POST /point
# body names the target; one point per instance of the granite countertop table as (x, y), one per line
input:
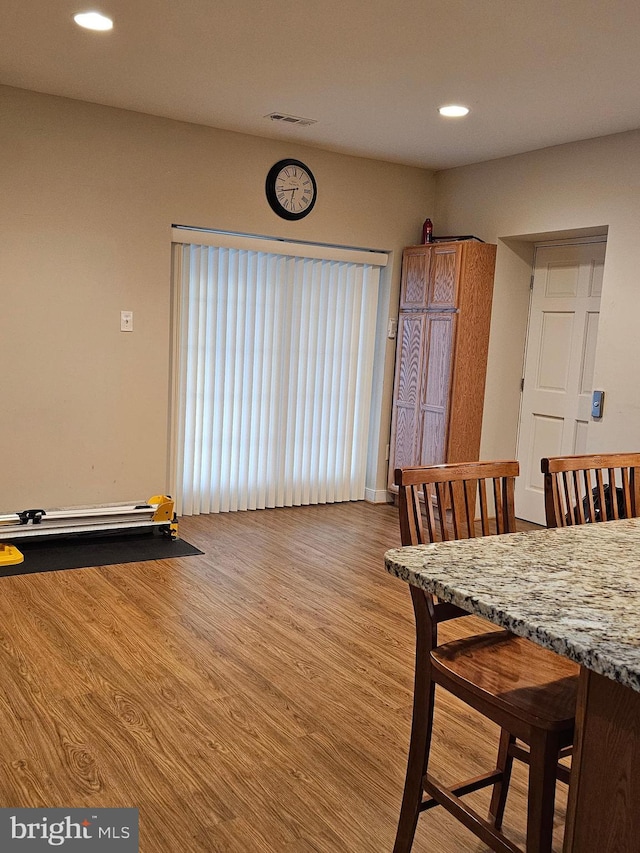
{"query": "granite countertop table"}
(575, 590)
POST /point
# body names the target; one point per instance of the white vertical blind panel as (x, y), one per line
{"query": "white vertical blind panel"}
(274, 375)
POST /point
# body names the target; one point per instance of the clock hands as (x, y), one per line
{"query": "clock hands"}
(291, 190)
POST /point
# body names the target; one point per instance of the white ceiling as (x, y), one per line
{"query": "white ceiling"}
(371, 72)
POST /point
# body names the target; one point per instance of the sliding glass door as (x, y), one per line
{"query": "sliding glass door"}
(273, 375)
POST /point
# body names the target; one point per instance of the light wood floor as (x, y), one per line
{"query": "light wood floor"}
(253, 700)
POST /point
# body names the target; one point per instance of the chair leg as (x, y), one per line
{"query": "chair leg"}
(504, 763)
(419, 745)
(543, 763)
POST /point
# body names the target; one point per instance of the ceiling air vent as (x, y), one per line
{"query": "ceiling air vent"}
(301, 122)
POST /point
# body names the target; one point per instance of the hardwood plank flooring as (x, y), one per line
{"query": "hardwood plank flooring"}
(255, 699)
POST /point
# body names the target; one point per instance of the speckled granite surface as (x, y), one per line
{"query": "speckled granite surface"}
(576, 590)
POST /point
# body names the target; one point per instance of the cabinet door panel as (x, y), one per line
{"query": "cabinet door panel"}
(443, 276)
(439, 335)
(409, 376)
(434, 434)
(407, 427)
(415, 278)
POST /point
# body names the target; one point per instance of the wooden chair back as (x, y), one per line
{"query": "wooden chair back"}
(591, 488)
(459, 492)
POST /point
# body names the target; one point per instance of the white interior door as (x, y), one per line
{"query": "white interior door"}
(559, 363)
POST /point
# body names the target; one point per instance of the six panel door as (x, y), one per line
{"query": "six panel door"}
(559, 364)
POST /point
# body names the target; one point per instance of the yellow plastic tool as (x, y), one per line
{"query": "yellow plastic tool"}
(165, 512)
(10, 556)
(164, 508)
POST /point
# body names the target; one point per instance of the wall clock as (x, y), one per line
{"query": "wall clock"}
(291, 189)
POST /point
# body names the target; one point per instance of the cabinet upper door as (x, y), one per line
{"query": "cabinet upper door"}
(430, 277)
(415, 278)
(444, 274)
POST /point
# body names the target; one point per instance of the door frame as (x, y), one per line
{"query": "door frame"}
(546, 244)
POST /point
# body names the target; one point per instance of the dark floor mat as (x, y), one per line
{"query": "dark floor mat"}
(80, 551)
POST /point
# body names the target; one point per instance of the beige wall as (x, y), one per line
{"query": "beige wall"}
(88, 195)
(585, 187)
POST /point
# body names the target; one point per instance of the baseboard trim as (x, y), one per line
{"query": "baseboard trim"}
(376, 496)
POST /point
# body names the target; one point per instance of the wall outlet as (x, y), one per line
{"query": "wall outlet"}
(126, 321)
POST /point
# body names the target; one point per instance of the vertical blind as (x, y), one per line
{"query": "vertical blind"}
(274, 364)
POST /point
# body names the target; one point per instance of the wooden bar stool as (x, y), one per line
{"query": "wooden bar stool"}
(586, 489)
(528, 691)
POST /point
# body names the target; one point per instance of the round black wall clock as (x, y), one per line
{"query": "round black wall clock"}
(291, 189)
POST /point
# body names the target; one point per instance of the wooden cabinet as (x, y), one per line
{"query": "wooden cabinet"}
(441, 362)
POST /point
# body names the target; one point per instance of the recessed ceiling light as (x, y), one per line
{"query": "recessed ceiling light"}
(453, 111)
(93, 21)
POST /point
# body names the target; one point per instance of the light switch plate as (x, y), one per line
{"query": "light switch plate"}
(126, 321)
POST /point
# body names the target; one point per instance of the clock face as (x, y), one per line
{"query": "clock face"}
(291, 189)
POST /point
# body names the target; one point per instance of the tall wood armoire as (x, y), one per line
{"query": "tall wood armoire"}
(441, 363)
